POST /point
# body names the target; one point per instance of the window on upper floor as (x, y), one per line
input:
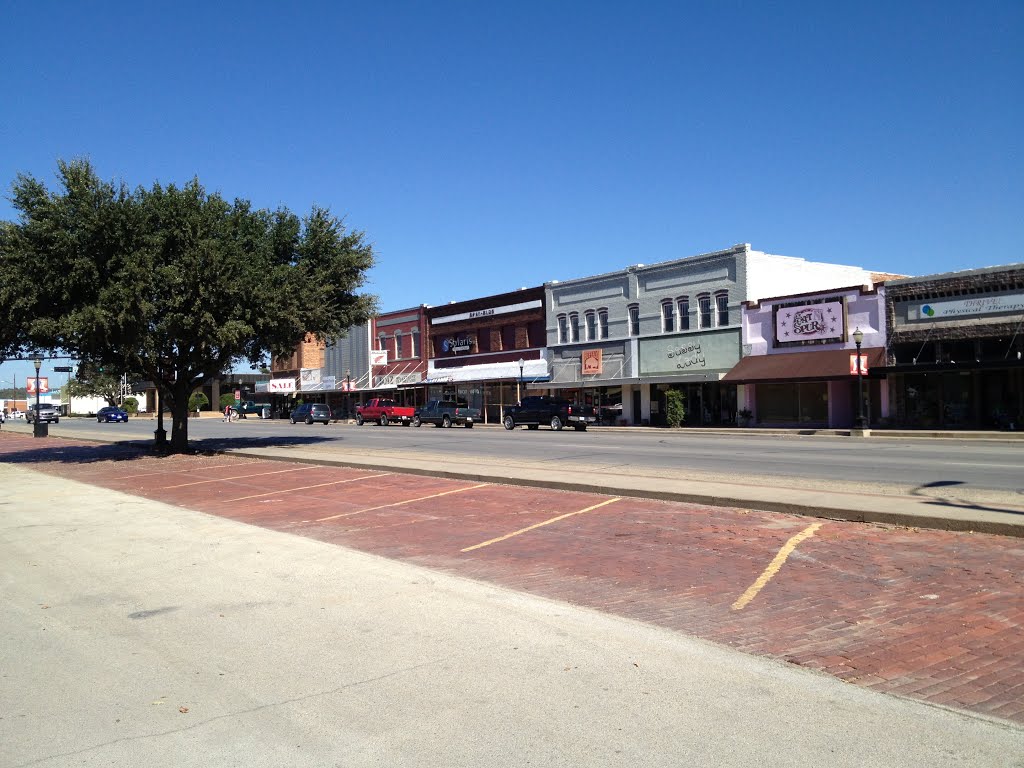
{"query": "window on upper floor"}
(683, 306)
(398, 345)
(722, 307)
(704, 310)
(574, 327)
(668, 317)
(563, 329)
(382, 342)
(415, 343)
(634, 320)
(602, 323)
(591, 325)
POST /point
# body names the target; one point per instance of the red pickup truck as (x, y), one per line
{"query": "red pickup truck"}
(381, 411)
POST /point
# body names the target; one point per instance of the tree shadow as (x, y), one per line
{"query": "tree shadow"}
(67, 452)
(958, 503)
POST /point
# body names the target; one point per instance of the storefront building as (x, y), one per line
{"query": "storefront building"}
(955, 349)
(623, 340)
(334, 373)
(398, 360)
(484, 352)
(799, 365)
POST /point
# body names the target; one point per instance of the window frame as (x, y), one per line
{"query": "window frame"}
(668, 316)
(574, 327)
(633, 315)
(719, 310)
(590, 324)
(683, 311)
(563, 328)
(705, 319)
(602, 323)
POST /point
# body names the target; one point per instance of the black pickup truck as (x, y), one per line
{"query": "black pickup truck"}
(542, 409)
(445, 413)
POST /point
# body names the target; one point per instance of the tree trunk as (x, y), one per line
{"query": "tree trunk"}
(179, 422)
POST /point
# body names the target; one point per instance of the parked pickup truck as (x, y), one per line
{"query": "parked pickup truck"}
(444, 413)
(542, 409)
(247, 407)
(381, 411)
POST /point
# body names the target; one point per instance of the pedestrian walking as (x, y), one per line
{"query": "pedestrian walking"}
(227, 413)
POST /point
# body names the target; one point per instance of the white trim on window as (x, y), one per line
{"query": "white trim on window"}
(634, 319)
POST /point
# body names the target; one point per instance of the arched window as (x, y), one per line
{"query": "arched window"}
(602, 323)
(563, 329)
(574, 327)
(704, 310)
(634, 320)
(591, 325)
(722, 307)
(668, 316)
(382, 342)
(415, 338)
(398, 345)
(683, 306)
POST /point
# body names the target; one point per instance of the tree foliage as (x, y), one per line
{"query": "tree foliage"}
(172, 284)
(90, 381)
(675, 407)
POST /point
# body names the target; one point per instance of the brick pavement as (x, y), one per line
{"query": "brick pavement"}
(930, 615)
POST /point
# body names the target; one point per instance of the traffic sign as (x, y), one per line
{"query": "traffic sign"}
(62, 368)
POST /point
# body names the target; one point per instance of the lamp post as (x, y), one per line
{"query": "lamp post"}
(38, 429)
(519, 383)
(858, 338)
(348, 393)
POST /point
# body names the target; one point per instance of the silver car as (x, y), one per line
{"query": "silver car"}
(47, 413)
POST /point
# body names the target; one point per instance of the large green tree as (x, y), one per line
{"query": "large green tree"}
(172, 284)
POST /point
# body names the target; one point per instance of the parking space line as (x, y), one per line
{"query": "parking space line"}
(397, 503)
(774, 566)
(179, 470)
(538, 525)
(307, 487)
(235, 477)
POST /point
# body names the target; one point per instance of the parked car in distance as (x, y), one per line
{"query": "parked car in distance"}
(383, 411)
(250, 407)
(445, 413)
(553, 411)
(111, 413)
(47, 414)
(310, 412)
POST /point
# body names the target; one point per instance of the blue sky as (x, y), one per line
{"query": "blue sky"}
(483, 147)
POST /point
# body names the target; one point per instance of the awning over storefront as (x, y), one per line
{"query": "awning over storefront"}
(801, 366)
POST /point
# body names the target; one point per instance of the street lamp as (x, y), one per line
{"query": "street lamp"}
(348, 393)
(38, 429)
(519, 397)
(858, 338)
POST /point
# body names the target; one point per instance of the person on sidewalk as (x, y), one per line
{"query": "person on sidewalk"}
(227, 413)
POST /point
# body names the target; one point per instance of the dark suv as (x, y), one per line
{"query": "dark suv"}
(310, 412)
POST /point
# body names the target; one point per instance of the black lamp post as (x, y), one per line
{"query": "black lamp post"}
(348, 393)
(858, 338)
(519, 383)
(38, 429)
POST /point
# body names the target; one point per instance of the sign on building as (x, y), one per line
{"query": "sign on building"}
(820, 322)
(593, 362)
(378, 357)
(281, 386)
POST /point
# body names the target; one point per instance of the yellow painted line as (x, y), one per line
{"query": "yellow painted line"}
(539, 525)
(774, 566)
(234, 477)
(284, 491)
(398, 503)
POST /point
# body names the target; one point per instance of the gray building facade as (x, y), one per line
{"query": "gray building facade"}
(622, 340)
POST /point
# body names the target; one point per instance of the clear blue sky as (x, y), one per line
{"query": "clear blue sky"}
(488, 146)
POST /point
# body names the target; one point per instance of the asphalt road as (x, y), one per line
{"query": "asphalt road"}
(967, 464)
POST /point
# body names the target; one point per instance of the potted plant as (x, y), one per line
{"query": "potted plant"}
(743, 416)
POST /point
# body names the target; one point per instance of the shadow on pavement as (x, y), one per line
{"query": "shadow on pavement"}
(59, 451)
(954, 502)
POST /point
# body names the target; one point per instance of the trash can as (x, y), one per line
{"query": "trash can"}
(265, 413)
